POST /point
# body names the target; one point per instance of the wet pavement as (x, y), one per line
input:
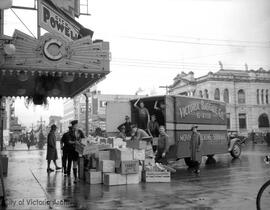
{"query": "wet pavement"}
(228, 184)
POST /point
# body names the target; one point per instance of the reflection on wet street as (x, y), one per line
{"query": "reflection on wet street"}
(228, 184)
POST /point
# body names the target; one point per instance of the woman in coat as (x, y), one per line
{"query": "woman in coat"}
(195, 148)
(51, 149)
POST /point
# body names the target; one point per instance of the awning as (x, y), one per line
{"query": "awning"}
(51, 66)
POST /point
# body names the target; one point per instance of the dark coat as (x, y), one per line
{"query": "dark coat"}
(51, 147)
(195, 147)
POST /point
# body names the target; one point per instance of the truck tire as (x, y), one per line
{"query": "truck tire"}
(189, 162)
(236, 150)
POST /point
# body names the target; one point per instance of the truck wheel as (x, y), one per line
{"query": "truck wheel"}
(189, 162)
(210, 160)
(236, 150)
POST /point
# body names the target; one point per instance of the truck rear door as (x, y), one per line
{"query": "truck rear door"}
(115, 115)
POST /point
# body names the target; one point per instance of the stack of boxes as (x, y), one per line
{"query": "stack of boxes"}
(128, 164)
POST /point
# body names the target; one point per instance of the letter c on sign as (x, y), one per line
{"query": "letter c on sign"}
(52, 49)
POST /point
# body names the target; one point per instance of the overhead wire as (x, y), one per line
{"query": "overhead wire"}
(23, 23)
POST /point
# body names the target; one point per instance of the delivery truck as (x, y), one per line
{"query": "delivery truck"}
(178, 114)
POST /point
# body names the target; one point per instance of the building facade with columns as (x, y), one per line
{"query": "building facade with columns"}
(246, 94)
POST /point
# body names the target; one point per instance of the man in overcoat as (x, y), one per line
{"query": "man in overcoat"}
(195, 148)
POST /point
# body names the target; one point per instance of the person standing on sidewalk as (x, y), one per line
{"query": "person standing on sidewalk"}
(195, 148)
(51, 149)
(66, 147)
(76, 136)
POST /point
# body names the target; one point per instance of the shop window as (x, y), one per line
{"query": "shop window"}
(263, 121)
(200, 94)
(228, 120)
(241, 97)
(266, 97)
(206, 95)
(217, 94)
(226, 96)
(262, 96)
(242, 121)
(258, 96)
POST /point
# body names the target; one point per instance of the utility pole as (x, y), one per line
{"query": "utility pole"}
(166, 87)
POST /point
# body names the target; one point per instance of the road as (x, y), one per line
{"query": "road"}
(228, 184)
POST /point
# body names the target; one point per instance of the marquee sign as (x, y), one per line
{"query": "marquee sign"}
(53, 21)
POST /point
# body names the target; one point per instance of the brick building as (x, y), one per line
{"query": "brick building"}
(246, 94)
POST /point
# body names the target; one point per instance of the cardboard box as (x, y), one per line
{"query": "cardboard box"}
(136, 144)
(156, 176)
(133, 178)
(4, 160)
(138, 154)
(111, 179)
(93, 177)
(86, 149)
(107, 166)
(128, 167)
(121, 155)
(102, 155)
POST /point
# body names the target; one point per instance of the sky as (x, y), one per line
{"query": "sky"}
(152, 41)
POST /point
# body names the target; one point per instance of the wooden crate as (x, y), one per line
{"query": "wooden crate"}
(128, 167)
(93, 177)
(156, 176)
(111, 179)
(107, 166)
(136, 144)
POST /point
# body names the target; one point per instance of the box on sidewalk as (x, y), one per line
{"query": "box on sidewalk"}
(156, 176)
(103, 155)
(128, 167)
(111, 179)
(4, 162)
(133, 178)
(107, 166)
(93, 177)
(121, 155)
(136, 144)
(138, 154)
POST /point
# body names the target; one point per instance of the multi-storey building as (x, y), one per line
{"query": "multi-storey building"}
(246, 94)
(76, 109)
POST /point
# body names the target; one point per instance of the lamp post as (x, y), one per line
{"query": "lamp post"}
(1, 123)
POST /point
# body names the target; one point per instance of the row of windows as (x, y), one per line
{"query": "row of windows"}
(263, 121)
(262, 96)
(226, 96)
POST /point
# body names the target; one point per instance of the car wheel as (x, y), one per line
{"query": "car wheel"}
(236, 150)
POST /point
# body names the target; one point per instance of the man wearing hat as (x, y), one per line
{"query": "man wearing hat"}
(195, 148)
(51, 149)
(127, 125)
(66, 148)
(76, 136)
